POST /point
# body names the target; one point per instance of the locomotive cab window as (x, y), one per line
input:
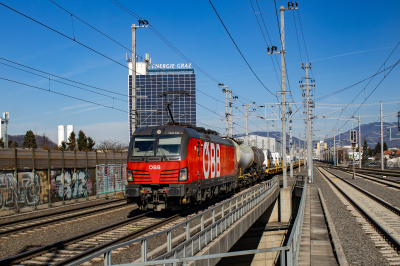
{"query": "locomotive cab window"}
(169, 145)
(143, 146)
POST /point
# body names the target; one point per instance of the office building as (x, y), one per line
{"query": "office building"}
(151, 81)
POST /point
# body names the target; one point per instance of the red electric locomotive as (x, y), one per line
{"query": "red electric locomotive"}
(170, 167)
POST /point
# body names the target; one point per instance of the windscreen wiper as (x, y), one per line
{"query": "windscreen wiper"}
(163, 156)
(145, 155)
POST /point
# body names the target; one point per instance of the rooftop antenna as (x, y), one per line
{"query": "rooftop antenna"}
(168, 103)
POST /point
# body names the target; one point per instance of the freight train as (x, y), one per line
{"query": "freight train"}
(171, 167)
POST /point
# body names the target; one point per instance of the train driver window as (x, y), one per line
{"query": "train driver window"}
(198, 148)
(169, 145)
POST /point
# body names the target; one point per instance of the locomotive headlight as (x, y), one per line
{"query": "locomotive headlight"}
(130, 175)
(183, 174)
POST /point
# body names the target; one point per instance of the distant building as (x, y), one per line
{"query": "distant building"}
(70, 129)
(61, 134)
(151, 80)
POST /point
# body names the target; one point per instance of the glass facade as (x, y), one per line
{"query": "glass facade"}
(150, 106)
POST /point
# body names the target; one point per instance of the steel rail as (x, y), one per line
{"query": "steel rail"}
(372, 178)
(55, 213)
(63, 243)
(53, 220)
(392, 240)
(117, 240)
(136, 234)
(372, 196)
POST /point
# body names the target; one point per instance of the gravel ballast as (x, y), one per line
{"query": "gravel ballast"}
(381, 191)
(357, 246)
(34, 238)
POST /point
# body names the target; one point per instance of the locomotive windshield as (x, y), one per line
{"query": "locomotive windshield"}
(160, 146)
(168, 145)
(143, 145)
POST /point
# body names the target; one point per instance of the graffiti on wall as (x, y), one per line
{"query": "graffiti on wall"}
(69, 184)
(110, 178)
(26, 190)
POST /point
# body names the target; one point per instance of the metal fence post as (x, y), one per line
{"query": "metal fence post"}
(144, 249)
(63, 178)
(213, 216)
(202, 222)
(283, 262)
(187, 231)
(76, 196)
(33, 179)
(169, 241)
(223, 211)
(107, 258)
(86, 173)
(49, 176)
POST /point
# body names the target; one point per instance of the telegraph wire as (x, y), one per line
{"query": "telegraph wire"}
(371, 92)
(65, 95)
(64, 82)
(262, 18)
(72, 15)
(83, 84)
(159, 35)
(239, 49)
(258, 22)
(91, 49)
(297, 36)
(346, 88)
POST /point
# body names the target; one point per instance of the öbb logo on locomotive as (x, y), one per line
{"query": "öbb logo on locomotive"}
(211, 160)
(155, 167)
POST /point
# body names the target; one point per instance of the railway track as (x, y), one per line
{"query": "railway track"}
(71, 249)
(21, 225)
(379, 219)
(371, 177)
(61, 252)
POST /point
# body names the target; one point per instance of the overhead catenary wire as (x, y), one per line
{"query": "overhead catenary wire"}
(262, 32)
(80, 83)
(239, 49)
(102, 94)
(62, 94)
(77, 43)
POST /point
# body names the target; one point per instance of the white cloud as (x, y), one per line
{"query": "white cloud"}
(81, 111)
(75, 106)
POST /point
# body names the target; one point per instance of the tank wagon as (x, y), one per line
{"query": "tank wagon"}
(171, 167)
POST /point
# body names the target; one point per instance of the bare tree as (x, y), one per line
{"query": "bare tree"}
(111, 146)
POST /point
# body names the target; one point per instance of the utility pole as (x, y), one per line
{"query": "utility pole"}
(226, 91)
(133, 115)
(6, 118)
(231, 114)
(291, 6)
(247, 126)
(382, 166)
(359, 142)
(334, 147)
(268, 136)
(309, 133)
(290, 140)
(299, 152)
(338, 150)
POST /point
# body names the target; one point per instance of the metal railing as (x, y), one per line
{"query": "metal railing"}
(199, 230)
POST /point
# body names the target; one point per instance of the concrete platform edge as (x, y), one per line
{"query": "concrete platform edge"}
(337, 246)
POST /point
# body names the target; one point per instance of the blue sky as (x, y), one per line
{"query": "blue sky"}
(346, 41)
